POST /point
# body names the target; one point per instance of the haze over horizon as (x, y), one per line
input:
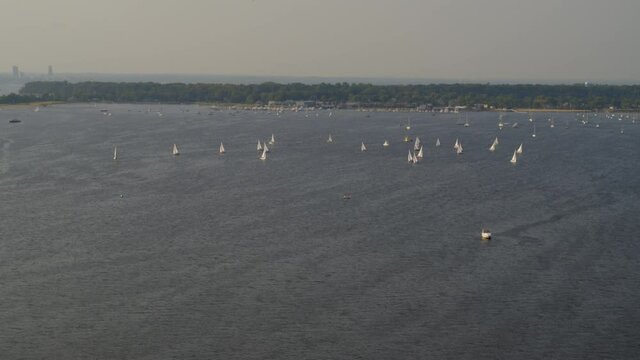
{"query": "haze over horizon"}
(492, 40)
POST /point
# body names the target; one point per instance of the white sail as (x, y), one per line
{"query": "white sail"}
(514, 158)
(456, 145)
(408, 127)
(519, 151)
(416, 145)
(493, 147)
(534, 131)
(459, 149)
(437, 142)
(386, 143)
(272, 140)
(414, 158)
(410, 157)
(259, 146)
(264, 155)
(495, 142)
(362, 147)
(330, 139)
(175, 150)
(222, 151)
(266, 149)
(115, 152)
(420, 153)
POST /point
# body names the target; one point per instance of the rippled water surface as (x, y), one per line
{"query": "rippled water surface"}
(207, 256)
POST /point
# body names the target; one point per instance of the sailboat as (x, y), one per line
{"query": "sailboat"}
(420, 153)
(221, 151)
(514, 158)
(362, 147)
(500, 123)
(519, 150)
(264, 154)
(408, 126)
(410, 157)
(266, 149)
(115, 152)
(438, 142)
(259, 146)
(456, 145)
(272, 140)
(416, 145)
(493, 145)
(534, 131)
(414, 158)
(175, 150)
(385, 143)
(330, 140)
(459, 149)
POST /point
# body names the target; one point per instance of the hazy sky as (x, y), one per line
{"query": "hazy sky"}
(596, 40)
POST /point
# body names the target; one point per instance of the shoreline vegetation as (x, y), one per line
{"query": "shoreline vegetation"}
(434, 97)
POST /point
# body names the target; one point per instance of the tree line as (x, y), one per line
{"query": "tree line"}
(577, 96)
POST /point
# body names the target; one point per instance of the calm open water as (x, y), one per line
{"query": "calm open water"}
(229, 257)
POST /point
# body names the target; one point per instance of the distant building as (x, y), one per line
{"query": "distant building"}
(16, 72)
(50, 70)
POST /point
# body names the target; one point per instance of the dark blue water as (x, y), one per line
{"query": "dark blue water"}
(207, 256)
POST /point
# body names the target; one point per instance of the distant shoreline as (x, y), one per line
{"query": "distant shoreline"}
(420, 98)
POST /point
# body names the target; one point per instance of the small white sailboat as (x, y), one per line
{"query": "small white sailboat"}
(330, 139)
(415, 158)
(362, 147)
(420, 153)
(115, 152)
(485, 234)
(514, 158)
(264, 155)
(259, 146)
(266, 149)
(459, 149)
(272, 140)
(438, 142)
(416, 144)
(534, 131)
(494, 144)
(408, 126)
(221, 151)
(456, 145)
(175, 150)
(519, 150)
(385, 143)
(410, 157)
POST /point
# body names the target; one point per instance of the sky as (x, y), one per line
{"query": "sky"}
(467, 40)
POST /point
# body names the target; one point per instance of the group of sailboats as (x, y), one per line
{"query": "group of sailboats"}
(413, 157)
(264, 148)
(516, 152)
